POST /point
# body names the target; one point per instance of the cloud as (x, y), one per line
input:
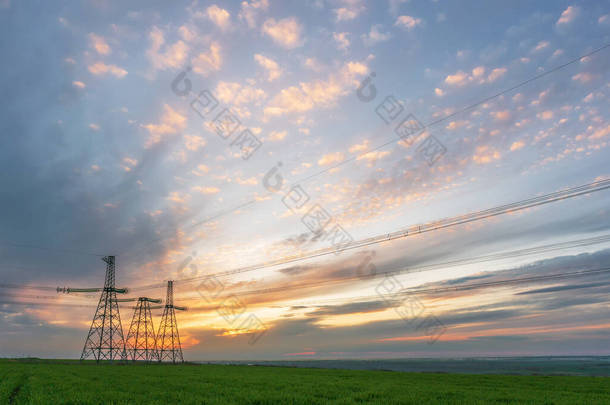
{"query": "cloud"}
(501, 115)
(561, 288)
(313, 64)
(331, 158)
(236, 94)
(187, 33)
(99, 44)
(568, 15)
(317, 93)
(100, 68)
(485, 154)
(461, 78)
(78, 84)
(453, 125)
(350, 10)
(273, 69)
(209, 61)
(285, 32)
(341, 40)
(541, 46)
(407, 22)
(170, 123)
(517, 145)
(250, 181)
(373, 157)
(219, 16)
(583, 78)
(173, 56)
(129, 163)
(496, 74)
(439, 92)
(357, 148)
(177, 197)
(600, 133)
(206, 190)
(457, 79)
(545, 115)
(201, 170)
(277, 136)
(375, 36)
(193, 142)
(250, 10)
(354, 308)
(94, 127)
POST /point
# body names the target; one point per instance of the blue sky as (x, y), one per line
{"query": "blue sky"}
(102, 156)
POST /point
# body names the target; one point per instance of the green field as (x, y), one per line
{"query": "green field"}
(71, 382)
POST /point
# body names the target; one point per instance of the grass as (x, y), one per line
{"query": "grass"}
(70, 382)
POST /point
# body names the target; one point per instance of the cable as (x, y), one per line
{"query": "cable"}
(29, 287)
(395, 271)
(45, 297)
(463, 110)
(428, 125)
(433, 266)
(473, 286)
(414, 229)
(507, 282)
(409, 291)
(467, 287)
(45, 304)
(26, 246)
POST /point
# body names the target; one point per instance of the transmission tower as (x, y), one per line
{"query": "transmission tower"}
(141, 342)
(105, 339)
(168, 339)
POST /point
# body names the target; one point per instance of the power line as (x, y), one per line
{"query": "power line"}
(414, 229)
(432, 266)
(461, 111)
(29, 287)
(44, 297)
(28, 246)
(507, 282)
(441, 290)
(513, 281)
(349, 160)
(45, 304)
(472, 286)
(428, 125)
(394, 271)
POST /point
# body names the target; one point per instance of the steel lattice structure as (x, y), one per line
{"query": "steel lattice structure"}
(141, 342)
(105, 339)
(168, 338)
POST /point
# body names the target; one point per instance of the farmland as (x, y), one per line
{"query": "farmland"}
(36, 381)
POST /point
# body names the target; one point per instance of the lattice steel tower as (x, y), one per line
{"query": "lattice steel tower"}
(141, 342)
(105, 339)
(168, 339)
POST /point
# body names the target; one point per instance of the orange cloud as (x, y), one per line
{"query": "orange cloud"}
(100, 68)
(209, 61)
(317, 93)
(219, 16)
(171, 123)
(271, 66)
(516, 146)
(99, 44)
(285, 32)
(331, 158)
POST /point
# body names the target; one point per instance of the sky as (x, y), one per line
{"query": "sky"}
(194, 139)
